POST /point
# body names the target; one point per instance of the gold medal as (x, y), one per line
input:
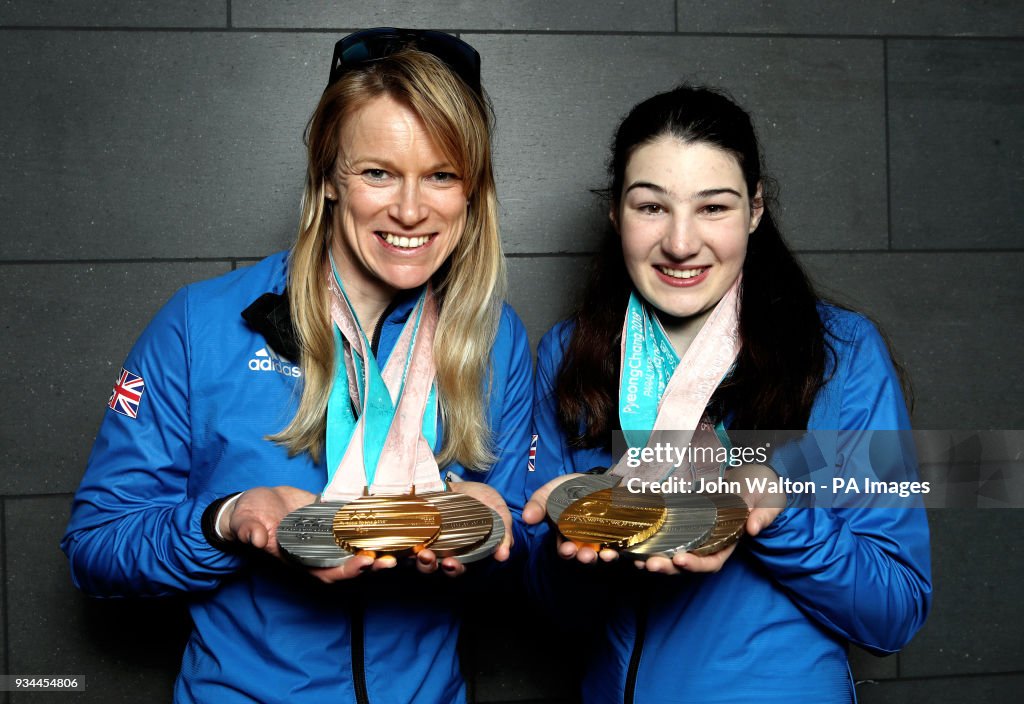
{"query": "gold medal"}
(386, 524)
(614, 518)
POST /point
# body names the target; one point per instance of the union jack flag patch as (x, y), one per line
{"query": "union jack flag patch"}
(127, 393)
(531, 462)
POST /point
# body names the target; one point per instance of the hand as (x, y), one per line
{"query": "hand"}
(764, 507)
(426, 560)
(536, 510)
(255, 516)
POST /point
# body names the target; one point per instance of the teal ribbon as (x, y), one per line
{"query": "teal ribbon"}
(376, 407)
(647, 365)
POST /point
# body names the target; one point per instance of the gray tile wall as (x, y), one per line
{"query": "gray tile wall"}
(145, 145)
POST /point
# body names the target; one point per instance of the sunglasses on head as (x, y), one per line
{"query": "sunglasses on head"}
(362, 48)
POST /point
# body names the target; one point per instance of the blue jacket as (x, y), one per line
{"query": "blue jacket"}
(265, 631)
(773, 625)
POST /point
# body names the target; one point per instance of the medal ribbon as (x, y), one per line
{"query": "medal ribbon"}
(653, 410)
(388, 447)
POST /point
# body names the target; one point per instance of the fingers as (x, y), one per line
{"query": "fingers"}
(452, 567)
(251, 532)
(536, 508)
(568, 550)
(352, 568)
(386, 562)
(426, 562)
(688, 562)
(659, 565)
(761, 518)
(503, 552)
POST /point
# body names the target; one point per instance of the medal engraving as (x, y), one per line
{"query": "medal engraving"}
(386, 524)
(576, 488)
(689, 523)
(612, 517)
(465, 523)
(306, 535)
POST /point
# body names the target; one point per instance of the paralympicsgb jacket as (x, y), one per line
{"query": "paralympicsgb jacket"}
(774, 624)
(211, 390)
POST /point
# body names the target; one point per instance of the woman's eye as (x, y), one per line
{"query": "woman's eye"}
(714, 209)
(443, 177)
(375, 174)
(650, 209)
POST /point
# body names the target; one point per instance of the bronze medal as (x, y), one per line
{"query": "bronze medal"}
(729, 523)
(614, 518)
(386, 524)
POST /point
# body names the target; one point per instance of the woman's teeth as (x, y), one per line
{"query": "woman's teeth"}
(404, 242)
(682, 273)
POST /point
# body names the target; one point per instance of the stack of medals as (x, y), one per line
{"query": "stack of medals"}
(594, 511)
(450, 524)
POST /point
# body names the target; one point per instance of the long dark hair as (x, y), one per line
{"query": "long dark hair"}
(782, 361)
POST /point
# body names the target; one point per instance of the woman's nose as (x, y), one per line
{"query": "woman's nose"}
(681, 240)
(408, 208)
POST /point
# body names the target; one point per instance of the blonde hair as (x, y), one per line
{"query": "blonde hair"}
(470, 286)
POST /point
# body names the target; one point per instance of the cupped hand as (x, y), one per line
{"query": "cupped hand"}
(488, 496)
(536, 509)
(255, 516)
(764, 506)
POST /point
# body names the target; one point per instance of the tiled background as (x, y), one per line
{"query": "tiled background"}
(145, 145)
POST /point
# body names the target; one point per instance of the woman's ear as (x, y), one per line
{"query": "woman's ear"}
(614, 217)
(330, 192)
(756, 209)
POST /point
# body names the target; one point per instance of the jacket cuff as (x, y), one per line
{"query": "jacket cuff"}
(209, 524)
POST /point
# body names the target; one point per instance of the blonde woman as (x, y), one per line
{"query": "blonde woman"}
(249, 395)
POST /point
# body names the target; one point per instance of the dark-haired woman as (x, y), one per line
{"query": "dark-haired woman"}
(695, 285)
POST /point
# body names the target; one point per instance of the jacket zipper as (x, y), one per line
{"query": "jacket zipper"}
(375, 338)
(358, 655)
(634, 658)
(358, 637)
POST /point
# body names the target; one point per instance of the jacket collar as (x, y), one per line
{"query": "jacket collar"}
(270, 315)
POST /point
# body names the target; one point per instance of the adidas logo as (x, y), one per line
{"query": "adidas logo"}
(266, 360)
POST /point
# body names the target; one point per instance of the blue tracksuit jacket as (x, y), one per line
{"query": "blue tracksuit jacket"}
(265, 631)
(773, 625)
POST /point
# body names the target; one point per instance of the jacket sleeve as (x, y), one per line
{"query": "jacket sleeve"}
(861, 571)
(564, 587)
(511, 424)
(134, 528)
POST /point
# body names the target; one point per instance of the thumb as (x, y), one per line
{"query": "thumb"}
(534, 511)
(759, 519)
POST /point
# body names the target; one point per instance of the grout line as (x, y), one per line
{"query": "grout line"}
(521, 32)
(154, 260)
(50, 495)
(229, 14)
(955, 676)
(234, 261)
